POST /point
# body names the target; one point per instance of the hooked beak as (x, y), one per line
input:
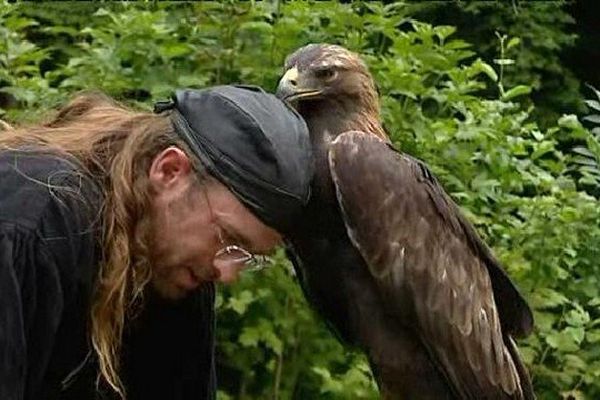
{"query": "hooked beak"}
(290, 90)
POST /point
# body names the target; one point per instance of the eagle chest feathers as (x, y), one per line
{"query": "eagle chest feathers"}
(324, 258)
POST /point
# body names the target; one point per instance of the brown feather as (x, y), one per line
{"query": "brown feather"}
(438, 266)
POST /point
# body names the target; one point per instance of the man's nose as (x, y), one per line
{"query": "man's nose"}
(228, 271)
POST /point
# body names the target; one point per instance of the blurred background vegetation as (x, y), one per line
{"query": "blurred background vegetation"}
(494, 96)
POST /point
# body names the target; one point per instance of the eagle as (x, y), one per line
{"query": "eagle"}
(387, 258)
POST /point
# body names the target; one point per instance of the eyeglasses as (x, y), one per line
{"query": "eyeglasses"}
(238, 255)
(233, 254)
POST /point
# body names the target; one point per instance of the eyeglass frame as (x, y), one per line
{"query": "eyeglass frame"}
(252, 262)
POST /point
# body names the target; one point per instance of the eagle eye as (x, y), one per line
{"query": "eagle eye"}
(325, 74)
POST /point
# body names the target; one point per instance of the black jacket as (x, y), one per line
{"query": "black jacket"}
(49, 256)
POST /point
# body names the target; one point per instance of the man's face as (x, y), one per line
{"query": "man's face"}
(191, 222)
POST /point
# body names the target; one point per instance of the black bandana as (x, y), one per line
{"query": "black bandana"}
(253, 143)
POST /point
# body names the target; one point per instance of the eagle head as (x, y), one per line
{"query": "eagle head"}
(327, 73)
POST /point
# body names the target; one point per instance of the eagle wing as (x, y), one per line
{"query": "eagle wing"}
(429, 264)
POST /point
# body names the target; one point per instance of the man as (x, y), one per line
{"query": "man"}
(113, 226)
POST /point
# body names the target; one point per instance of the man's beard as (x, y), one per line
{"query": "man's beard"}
(149, 260)
(165, 274)
(165, 265)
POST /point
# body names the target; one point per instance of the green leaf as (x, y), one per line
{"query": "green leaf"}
(573, 395)
(594, 302)
(546, 297)
(569, 121)
(566, 340)
(102, 12)
(542, 148)
(503, 61)
(273, 342)
(577, 317)
(593, 336)
(443, 31)
(173, 50)
(249, 337)
(240, 303)
(594, 104)
(576, 333)
(583, 151)
(515, 41)
(537, 135)
(488, 70)
(592, 118)
(519, 90)
(596, 91)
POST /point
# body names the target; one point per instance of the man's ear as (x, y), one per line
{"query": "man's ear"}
(169, 167)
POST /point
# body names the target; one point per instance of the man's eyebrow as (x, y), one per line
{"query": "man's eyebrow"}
(237, 238)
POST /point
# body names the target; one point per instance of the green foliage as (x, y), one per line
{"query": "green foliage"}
(586, 155)
(528, 187)
(271, 346)
(20, 76)
(541, 30)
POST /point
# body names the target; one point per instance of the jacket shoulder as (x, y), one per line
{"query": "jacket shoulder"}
(31, 183)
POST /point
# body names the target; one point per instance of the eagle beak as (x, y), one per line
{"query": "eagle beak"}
(289, 89)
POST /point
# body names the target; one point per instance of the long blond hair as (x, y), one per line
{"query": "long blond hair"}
(114, 146)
